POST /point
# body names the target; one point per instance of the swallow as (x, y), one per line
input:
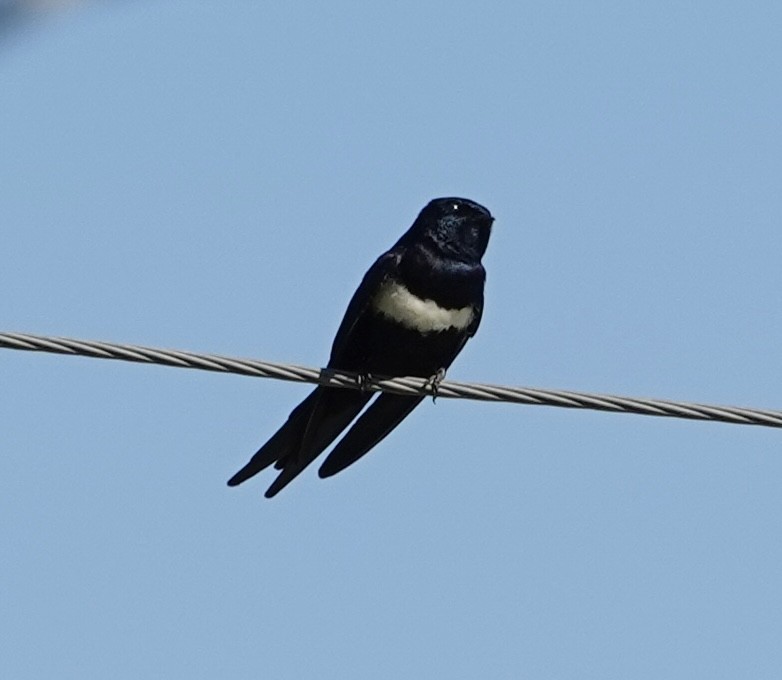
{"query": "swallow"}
(411, 315)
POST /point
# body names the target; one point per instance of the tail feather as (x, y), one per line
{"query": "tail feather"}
(379, 419)
(283, 443)
(331, 414)
(310, 428)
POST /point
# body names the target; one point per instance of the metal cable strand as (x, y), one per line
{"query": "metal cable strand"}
(413, 386)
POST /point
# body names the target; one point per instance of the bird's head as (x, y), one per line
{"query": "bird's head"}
(456, 226)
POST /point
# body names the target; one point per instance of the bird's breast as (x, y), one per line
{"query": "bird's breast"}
(395, 302)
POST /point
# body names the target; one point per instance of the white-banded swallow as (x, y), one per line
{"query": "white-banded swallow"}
(411, 315)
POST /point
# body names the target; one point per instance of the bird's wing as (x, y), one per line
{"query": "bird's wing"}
(319, 419)
(385, 265)
(472, 328)
(377, 421)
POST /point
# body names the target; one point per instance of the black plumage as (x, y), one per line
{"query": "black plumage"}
(411, 315)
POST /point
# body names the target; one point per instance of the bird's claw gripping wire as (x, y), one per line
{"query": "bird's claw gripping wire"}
(364, 380)
(434, 383)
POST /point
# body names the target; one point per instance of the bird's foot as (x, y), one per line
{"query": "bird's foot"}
(364, 380)
(434, 382)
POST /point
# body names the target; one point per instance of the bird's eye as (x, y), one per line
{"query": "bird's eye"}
(455, 206)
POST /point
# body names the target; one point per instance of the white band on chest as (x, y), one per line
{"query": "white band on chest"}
(397, 303)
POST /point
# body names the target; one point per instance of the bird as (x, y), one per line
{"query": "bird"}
(411, 315)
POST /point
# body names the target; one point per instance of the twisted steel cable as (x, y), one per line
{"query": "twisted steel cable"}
(412, 386)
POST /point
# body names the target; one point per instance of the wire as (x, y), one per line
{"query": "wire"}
(448, 389)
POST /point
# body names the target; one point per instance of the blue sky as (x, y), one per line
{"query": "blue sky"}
(218, 177)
